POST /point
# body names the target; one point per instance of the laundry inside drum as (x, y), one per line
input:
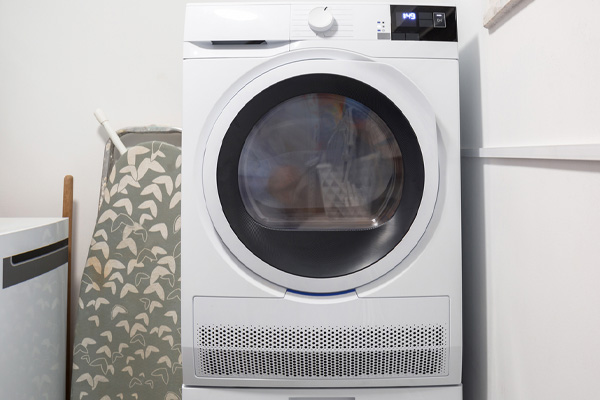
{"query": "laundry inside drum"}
(321, 162)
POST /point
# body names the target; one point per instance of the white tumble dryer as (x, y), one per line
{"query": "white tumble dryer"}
(321, 254)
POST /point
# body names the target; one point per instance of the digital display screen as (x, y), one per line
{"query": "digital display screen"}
(406, 18)
(423, 23)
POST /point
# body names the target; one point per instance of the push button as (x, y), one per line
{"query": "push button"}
(439, 20)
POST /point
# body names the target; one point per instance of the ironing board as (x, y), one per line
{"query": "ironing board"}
(127, 341)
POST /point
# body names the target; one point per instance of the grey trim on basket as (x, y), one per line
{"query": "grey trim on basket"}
(44, 259)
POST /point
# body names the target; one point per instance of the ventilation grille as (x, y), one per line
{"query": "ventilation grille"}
(321, 352)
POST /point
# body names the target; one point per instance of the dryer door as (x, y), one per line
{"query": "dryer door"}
(322, 175)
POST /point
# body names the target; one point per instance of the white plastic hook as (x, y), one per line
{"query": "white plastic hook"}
(99, 114)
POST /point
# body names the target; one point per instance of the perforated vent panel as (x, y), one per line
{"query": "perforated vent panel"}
(321, 352)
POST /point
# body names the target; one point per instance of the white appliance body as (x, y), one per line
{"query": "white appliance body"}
(33, 307)
(266, 310)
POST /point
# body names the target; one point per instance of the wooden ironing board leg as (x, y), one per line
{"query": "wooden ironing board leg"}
(68, 213)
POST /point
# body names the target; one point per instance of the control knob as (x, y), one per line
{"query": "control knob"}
(320, 19)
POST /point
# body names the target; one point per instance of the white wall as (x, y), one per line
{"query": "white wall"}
(543, 75)
(60, 60)
(531, 227)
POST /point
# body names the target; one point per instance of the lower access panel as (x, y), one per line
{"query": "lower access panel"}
(420, 393)
(297, 339)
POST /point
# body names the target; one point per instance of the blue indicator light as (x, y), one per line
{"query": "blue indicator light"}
(320, 294)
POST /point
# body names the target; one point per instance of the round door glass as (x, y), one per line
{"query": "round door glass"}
(321, 161)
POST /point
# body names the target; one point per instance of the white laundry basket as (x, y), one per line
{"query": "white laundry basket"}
(33, 307)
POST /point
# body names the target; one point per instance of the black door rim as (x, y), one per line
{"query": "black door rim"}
(319, 254)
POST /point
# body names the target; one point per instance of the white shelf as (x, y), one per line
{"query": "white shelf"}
(497, 10)
(576, 152)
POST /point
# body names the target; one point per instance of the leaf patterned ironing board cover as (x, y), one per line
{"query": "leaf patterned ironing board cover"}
(127, 341)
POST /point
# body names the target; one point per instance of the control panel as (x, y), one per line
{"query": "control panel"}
(376, 21)
(426, 23)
